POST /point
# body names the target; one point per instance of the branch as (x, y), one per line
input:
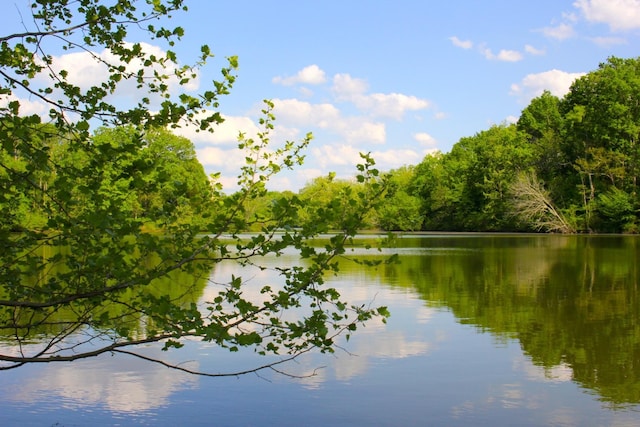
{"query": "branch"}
(40, 34)
(69, 30)
(19, 361)
(270, 366)
(532, 203)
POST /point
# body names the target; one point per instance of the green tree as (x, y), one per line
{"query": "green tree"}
(94, 229)
(257, 211)
(616, 211)
(322, 193)
(176, 184)
(439, 190)
(471, 187)
(540, 117)
(400, 210)
(543, 125)
(602, 131)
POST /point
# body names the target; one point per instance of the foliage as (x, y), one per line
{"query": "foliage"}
(400, 210)
(555, 170)
(615, 208)
(602, 130)
(87, 266)
(319, 193)
(436, 187)
(583, 151)
(327, 197)
(473, 193)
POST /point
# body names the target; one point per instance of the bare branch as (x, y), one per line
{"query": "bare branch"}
(269, 366)
(533, 205)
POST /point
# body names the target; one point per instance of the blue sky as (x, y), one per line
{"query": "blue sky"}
(399, 78)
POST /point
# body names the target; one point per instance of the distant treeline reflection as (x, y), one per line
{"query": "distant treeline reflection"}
(568, 300)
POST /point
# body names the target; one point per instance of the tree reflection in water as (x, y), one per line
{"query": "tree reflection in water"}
(569, 302)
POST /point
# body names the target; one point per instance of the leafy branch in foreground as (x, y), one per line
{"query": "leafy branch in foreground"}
(110, 305)
(105, 248)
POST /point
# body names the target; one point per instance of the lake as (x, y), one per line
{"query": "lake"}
(485, 330)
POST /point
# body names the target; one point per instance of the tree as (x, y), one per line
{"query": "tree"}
(616, 211)
(320, 198)
(400, 209)
(602, 131)
(88, 272)
(541, 116)
(543, 124)
(532, 204)
(481, 169)
(436, 184)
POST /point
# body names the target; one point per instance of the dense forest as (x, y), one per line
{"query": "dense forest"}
(568, 165)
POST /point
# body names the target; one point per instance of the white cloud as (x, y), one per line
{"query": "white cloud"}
(311, 75)
(305, 92)
(224, 133)
(285, 133)
(390, 105)
(503, 55)
(222, 159)
(533, 51)
(306, 175)
(560, 32)
(359, 129)
(509, 55)
(392, 159)
(27, 107)
(346, 87)
(619, 15)
(331, 156)
(342, 155)
(425, 139)
(464, 44)
(85, 70)
(229, 183)
(296, 179)
(303, 114)
(555, 81)
(570, 17)
(608, 41)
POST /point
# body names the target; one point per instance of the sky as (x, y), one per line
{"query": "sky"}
(398, 79)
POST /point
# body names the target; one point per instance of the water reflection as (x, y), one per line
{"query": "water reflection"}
(570, 301)
(117, 384)
(484, 330)
(353, 357)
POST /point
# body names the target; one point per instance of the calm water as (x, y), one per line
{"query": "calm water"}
(485, 330)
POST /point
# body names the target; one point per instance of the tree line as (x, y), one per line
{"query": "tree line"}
(568, 165)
